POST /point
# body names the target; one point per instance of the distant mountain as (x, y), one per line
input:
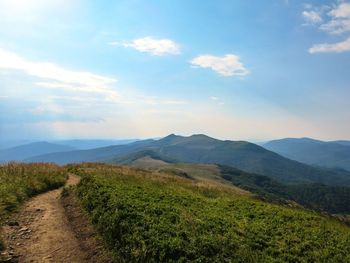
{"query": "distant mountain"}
(92, 155)
(347, 143)
(92, 144)
(206, 150)
(5, 144)
(22, 152)
(327, 154)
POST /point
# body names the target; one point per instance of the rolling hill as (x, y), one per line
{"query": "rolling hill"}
(22, 152)
(206, 150)
(91, 144)
(343, 142)
(313, 152)
(330, 199)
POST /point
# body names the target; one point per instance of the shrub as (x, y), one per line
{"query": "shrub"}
(153, 217)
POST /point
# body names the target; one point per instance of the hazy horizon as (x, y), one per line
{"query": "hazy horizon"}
(237, 70)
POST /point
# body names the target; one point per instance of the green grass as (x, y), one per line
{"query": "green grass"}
(154, 217)
(18, 182)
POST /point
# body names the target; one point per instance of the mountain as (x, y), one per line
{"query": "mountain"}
(91, 144)
(22, 152)
(5, 143)
(347, 143)
(92, 155)
(206, 150)
(313, 152)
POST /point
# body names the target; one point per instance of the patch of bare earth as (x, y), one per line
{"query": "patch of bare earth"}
(47, 229)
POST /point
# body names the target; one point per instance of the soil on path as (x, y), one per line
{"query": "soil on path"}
(41, 232)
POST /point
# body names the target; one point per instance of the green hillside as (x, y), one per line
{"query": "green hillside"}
(331, 199)
(154, 217)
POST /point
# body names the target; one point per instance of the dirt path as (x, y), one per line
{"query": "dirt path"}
(41, 232)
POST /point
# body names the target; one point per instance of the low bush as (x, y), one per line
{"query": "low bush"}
(153, 217)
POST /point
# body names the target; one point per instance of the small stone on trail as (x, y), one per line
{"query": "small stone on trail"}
(23, 229)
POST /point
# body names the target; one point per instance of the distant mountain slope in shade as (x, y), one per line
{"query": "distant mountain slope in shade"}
(5, 144)
(25, 151)
(313, 152)
(347, 143)
(92, 155)
(92, 144)
(203, 149)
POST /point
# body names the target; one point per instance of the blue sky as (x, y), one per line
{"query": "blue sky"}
(137, 69)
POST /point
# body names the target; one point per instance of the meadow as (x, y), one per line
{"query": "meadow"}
(147, 216)
(19, 181)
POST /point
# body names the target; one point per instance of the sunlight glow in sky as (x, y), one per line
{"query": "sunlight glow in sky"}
(137, 69)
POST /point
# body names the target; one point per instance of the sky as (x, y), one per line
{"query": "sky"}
(240, 70)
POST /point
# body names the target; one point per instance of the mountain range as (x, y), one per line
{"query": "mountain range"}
(243, 155)
(22, 152)
(334, 154)
(25, 151)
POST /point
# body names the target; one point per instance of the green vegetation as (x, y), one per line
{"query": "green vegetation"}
(331, 199)
(263, 186)
(155, 217)
(20, 181)
(321, 197)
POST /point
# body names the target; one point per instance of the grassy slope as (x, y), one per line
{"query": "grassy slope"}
(146, 216)
(20, 181)
(335, 200)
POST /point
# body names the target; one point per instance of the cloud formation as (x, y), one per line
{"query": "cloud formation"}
(227, 66)
(54, 76)
(153, 46)
(341, 11)
(327, 48)
(337, 22)
(312, 17)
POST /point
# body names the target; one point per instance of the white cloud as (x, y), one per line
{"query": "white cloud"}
(336, 26)
(312, 17)
(153, 46)
(228, 65)
(337, 22)
(54, 76)
(341, 11)
(214, 98)
(331, 48)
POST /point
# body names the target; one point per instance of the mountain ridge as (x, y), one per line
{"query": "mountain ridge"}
(243, 155)
(312, 152)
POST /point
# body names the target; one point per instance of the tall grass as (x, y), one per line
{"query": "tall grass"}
(19, 181)
(154, 217)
